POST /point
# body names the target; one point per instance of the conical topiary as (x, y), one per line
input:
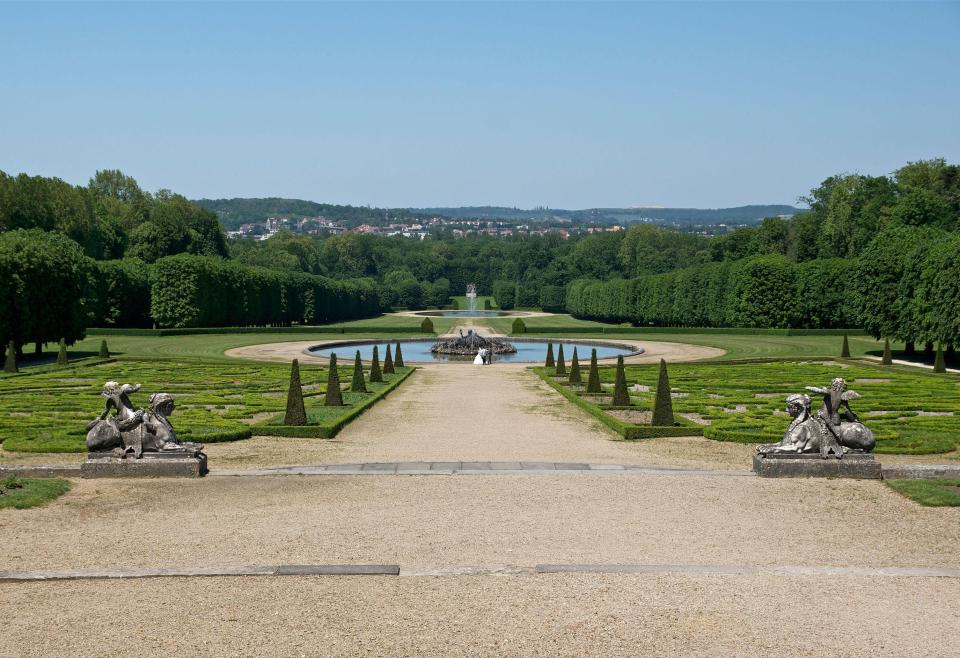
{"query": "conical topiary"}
(575, 377)
(487, 306)
(621, 398)
(663, 404)
(358, 385)
(887, 354)
(561, 364)
(519, 327)
(388, 362)
(62, 354)
(549, 363)
(939, 364)
(333, 398)
(296, 413)
(593, 378)
(10, 363)
(426, 327)
(845, 348)
(398, 357)
(104, 351)
(375, 374)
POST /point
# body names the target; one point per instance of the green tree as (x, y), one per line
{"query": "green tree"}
(375, 374)
(358, 385)
(104, 351)
(621, 397)
(62, 358)
(388, 362)
(398, 356)
(550, 363)
(426, 326)
(593, 377)
(333, 397)
(663, 403)
(561, 366)
(296, 413)
(10, 362)
(519, 327)
(575, 377)
(845, 348)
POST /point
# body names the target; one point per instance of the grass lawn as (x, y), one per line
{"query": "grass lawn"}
(929, 493)
(215, 401)
(21, 493)
(464, 303)
(743, 402)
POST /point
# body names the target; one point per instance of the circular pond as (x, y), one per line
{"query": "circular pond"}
(528, 350)
(466, 314)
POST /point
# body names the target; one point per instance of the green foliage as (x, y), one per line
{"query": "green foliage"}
(333, 396)
(929, 493)
(120, 293)
(388, 362)
(398, 357)
(519, 326)
(426, 326)
(575, 377)
(454, 305)
(10, 360)
(376, 376)
(939, 365)
(663, 403)
(621, 397)
(505, 294)
(593, 377)
(358, 385)
(24, 493)
(104, 352)
(296, 413)
(887, 354)
(845, 348)
(62, 358)
(487, 306)
(561, 365)
(550, 363)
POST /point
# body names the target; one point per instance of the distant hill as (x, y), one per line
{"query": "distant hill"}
(234, 212)
(738, 215)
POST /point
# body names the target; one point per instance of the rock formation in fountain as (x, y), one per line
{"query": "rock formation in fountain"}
(470, 344)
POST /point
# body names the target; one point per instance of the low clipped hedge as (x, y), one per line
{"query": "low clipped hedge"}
(732, 331)
(188, 331)
(328, 430)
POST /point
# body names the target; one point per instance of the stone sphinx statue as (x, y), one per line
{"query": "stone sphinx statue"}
(834, 430)
(135, 431)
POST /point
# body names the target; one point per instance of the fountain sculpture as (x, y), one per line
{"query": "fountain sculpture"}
(472, 296)
(470, 343)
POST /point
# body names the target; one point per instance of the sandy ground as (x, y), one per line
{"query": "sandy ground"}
(479, 520)
(562, 615)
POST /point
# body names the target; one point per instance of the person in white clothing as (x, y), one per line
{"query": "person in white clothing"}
(478, 360)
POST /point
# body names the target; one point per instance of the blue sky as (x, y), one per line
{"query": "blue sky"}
(415, 104)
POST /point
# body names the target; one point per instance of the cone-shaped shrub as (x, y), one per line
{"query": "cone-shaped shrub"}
(549, 363)
(333, 398)
(104, 351)
(487, 306)
(296, 412)
(358, 385)
(593, 378)
(575, 377)
(519, 327)
(388, 362)
(663, 404)
(10, 363)
(845, 348)
(375, 374)
(939, 364)
(621, 398)
(561, 364)
(426, 327)
(62, 354)
(887, 354)
(398, 356)
(454, 305)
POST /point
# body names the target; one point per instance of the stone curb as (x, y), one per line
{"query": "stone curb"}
(921, 472)
(474, 468)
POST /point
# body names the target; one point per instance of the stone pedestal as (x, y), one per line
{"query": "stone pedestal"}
(859, 466)
(151, 464)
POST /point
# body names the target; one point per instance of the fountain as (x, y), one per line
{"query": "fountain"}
(472, 296)
(470, 344)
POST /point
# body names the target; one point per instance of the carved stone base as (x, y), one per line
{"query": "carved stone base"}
(858, 466)
(152, 464)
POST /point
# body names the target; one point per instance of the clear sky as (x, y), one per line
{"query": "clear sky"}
(568, 105)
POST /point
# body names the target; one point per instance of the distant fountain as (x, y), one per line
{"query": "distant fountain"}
(470, 343)
(472, 296)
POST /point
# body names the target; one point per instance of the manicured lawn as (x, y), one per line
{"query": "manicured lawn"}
(929, 493)
(215, 401)
(21, 493)
(743, 402)
(464, 303)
